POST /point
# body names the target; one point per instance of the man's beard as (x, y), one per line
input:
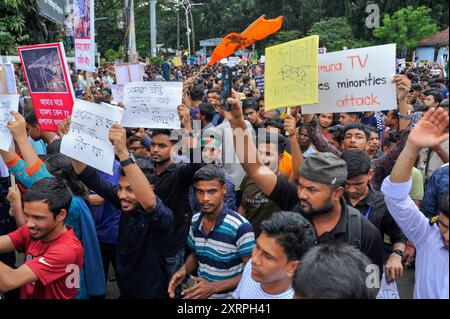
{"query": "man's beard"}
(326, 208)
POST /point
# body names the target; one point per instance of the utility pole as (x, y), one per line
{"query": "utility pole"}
(193, 32)
(178, 28)
(153, 27)
(130, 38)
(187, 6)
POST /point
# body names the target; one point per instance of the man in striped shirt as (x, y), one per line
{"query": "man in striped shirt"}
(220, 239)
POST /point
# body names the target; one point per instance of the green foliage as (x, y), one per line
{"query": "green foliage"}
(111, 55)
(108, 33)
(284, 36)
(406, 27)
(334, 33)
(156, 60)
(339, 22)
(13, 28)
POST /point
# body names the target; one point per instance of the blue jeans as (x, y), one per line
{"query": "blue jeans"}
(173, 263)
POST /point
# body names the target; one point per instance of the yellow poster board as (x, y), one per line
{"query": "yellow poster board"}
(291, 75)
(177, 61)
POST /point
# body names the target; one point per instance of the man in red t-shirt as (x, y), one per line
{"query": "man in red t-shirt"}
(54, 255)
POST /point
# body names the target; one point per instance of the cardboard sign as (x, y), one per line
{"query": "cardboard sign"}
(291, 75)
(47, 75)
(358, 80)
(177, 61)
(129, 72)
(83, 20)
(117, 93)
(88, 138)
(8, 103)
(152, 104)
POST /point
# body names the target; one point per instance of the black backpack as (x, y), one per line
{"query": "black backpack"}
(354, 227)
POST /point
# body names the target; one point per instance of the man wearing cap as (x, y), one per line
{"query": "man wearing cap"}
(318, 196)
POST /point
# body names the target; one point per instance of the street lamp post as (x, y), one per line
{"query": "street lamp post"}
(187, 5)
(153, 27)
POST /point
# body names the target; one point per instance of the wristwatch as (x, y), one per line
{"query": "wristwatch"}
(404, 116)
(398, 252)
(130, 160)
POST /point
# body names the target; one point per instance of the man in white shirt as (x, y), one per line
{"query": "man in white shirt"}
(429, 237)
(285, 237)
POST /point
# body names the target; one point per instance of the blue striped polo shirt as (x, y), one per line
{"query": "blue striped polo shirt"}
(220, 253)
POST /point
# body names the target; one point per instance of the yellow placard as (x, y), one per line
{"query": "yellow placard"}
(177, 61)
(291, 74)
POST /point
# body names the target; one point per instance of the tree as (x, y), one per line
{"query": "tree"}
(406, 27)
(108, 34)
(18, 25)
(334, 33)
(283, 36)
(111, 55)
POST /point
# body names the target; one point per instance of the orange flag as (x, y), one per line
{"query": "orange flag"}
(233, 42)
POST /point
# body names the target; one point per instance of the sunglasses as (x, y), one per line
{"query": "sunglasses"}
(134, 149)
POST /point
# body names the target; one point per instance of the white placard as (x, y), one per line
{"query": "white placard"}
(233, 61)
(117, 93)
(10, 79)
(4, 172)
(131, 72)
(358, 80)
(88, 140)
(152, 104)
(84, 17)
(8, 103)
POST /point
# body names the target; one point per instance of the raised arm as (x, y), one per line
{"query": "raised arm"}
(428, 132)
(138, 181)
(297, 156)
(246, 150)
(403, 85)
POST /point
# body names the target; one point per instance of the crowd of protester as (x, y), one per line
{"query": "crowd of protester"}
(295, 206)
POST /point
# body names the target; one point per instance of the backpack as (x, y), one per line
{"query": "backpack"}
(354, 227)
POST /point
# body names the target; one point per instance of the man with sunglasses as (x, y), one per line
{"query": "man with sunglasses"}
(429, 237)
(138, 147)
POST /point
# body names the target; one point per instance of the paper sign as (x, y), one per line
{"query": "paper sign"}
(87, 140)
(117, 93)
(130, 72)
(356, 80)
(4, 172)
(7, 79)
(291, 75)
(152, 104)
(47, 75)
(258, 71)
(8, 103)
(83, 19)
(177, 61)
(233, 61)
